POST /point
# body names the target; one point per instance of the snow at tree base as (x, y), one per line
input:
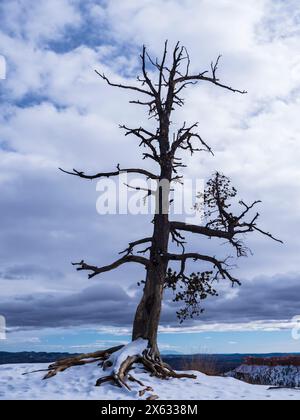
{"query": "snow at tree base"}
(78, 384)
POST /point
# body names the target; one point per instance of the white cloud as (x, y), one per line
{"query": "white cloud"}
(267, 326)
(39, 21)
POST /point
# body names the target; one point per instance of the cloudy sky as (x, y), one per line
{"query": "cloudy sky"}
(56, 112)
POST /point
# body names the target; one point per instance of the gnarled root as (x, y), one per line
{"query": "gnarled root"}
(83, 359)
(117, 362)
(160, 369)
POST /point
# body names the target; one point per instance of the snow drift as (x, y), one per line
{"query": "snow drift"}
(77, 384)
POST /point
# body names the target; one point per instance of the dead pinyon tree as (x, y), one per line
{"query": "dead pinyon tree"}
(161, 96)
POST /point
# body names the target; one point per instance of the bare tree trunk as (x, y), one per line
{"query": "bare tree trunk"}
(148, 312)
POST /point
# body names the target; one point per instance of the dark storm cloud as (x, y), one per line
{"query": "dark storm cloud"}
(29, 271)
(101, 304)
(275, 298)
(49, 220)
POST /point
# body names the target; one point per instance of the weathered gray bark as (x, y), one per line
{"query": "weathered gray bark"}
(148, 312)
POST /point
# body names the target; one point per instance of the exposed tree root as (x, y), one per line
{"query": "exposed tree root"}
(117, 362)
(160, 369)
(152, 398)
(83, 359)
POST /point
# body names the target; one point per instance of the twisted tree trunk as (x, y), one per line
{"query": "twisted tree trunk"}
(148, 312)
(147, 315)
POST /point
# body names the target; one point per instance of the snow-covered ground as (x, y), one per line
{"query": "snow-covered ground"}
(77, 383)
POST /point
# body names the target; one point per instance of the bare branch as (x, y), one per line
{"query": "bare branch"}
(111, 174)
(153, 157)
(147, 79)
(177, 56)
(161, 70)
(82, 266)
(211, 80)
(202, 77)
(141, 133)
(201, 230)
(184, 137)
(148, 191)
(146, 92)
(248, 208)
(220, 265)
(132, 245)
(178, 238)
(268, 234)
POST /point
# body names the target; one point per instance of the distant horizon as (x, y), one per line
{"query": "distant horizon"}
(167, 354)
(56, 112)
(82, 340)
